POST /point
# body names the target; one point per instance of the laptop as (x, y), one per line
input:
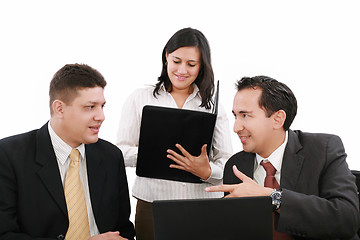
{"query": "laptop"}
(213, 219)
(161, 128)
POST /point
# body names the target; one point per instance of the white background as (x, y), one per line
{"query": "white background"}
(312, 46)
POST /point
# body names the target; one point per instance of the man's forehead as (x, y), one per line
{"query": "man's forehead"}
(246, 100)
(247, 96)
(255, 91)
(94, 95)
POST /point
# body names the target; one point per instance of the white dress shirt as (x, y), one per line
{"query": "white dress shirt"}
(150, 189)
(275, 159)
(62, 152)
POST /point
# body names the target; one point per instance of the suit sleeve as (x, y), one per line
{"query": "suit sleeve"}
(333, 211)
(9, 228)
(126, 227)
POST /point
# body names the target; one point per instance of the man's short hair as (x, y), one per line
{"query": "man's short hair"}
(72, 77)
(275, 96)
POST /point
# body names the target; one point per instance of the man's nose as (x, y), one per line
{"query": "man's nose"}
(238, 126)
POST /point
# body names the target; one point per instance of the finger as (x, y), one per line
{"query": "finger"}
(239, 174)
(230, 195)
(183, 151)
(175, 154)
(220, 188)
(177, 160)
(177, 167)
(203, 150)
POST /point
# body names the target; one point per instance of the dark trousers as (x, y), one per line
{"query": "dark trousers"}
(144, 223)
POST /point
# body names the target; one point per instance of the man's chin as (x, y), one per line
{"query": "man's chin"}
(246, 148)
(91, 140)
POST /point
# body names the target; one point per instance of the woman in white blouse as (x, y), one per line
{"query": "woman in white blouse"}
(187, 82)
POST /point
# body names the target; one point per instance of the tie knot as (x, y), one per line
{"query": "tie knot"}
(74, 155)
(269, 168)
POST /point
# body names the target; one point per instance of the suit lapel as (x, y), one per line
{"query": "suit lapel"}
(49, 171)
(96, 175)
(247, 165)
(292, 162)
(244, 161)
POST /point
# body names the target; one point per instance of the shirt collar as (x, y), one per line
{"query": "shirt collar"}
(276, 157)
(195, 92)
(62, 149)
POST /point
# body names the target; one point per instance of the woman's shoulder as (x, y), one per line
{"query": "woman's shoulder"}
(140, 96)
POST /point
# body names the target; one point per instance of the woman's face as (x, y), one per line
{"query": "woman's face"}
(183, 66)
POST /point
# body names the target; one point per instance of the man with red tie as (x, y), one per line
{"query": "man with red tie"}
(312, 189)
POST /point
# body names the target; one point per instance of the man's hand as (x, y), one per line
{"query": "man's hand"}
(198, 166)
(248, 187)
(108, 236)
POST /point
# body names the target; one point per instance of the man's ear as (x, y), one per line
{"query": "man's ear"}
(58, 108)
(279, 119)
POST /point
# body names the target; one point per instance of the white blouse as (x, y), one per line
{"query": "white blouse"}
(150, 189)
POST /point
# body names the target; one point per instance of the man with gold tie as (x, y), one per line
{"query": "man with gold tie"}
(313, 192)
(61, 181)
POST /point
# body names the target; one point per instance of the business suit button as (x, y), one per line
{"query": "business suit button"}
(60, 237)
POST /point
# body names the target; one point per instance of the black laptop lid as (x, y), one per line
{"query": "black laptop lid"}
(213, 219)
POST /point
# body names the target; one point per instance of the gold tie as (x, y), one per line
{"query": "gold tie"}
(75, 201)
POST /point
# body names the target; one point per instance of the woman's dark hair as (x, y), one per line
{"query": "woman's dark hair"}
(275, 96)
(189, 37)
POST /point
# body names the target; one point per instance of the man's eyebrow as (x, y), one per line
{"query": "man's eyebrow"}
(241, 112)
(95, 102)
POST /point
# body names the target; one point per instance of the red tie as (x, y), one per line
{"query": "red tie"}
(270, 181)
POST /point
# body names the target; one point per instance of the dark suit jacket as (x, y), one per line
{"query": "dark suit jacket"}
(319, 197)
(32, 201)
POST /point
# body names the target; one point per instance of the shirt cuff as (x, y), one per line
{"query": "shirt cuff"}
(216, 174)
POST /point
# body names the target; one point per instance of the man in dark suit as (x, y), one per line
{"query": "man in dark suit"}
(317, 196)
(34, 167)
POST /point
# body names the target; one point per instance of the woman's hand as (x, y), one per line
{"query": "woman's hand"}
(198, 166)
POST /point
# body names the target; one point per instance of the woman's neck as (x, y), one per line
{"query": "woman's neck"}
(180, 95)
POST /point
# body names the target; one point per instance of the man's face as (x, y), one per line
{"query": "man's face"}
(253, 127)
(83, 117)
